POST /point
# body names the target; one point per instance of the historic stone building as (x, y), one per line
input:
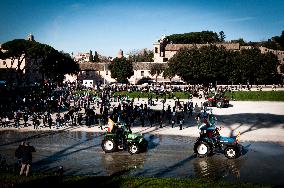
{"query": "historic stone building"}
(29, 68)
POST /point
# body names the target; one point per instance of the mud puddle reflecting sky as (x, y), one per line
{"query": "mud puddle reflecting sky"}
(80, 153)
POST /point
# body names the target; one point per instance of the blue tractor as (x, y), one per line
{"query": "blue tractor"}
(211, 140)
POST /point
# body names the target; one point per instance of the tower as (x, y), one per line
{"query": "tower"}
(30, 37)
(120, 54)
(159, 49)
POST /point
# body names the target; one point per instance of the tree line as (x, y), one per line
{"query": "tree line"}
(202, 37)
(210, 64)
(51, 63)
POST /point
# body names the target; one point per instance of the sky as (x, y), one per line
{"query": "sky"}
(106, 26)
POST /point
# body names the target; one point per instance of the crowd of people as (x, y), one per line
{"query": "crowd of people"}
(57, 107)
(54, 106)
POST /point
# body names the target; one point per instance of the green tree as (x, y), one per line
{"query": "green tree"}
(96, 57)
(275, 43)
(34, 55)
(121, 69)
(240, 41)
(156, 69)
(169, 73)
(222, 36)
(210, 63)
(91, 57)
(141, 56)
(279, 40)
(194, 37)
(57, 64)
(17, 51)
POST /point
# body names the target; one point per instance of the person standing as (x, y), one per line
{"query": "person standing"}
(19, 153)
(26, 158)
(49, 119)
(26, 118)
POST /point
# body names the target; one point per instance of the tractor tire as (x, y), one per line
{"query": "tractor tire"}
(133, 148)
(202, 149)
(108, 145)
(219, 104)
(231, 152)
(209, 104)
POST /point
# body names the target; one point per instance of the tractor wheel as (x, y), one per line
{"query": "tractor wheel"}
(209, 104)
(219, 104)
(231, 152)
(133, 148)
(108, 145)
(202, 149)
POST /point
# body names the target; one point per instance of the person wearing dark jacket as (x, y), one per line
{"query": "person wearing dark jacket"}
(19, 153)
(26, 158)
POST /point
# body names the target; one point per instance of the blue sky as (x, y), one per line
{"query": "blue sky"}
(107, 25)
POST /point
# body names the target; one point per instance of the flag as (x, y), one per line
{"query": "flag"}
(110, 125)
(238, 136)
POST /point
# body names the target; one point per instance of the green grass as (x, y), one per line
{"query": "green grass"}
(236, 95)
(257, 95)
(181, 95)
(50, 180)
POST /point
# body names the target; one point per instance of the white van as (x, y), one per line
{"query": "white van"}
(88, 83)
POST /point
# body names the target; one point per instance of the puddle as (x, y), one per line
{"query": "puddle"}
(80, 153)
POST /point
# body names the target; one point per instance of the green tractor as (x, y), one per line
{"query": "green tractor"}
(122, 138)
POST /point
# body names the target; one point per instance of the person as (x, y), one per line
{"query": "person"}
(26, 158)
(26, 118)
(19, 152)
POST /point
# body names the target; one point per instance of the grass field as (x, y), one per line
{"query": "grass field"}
(236, 95)
(257, 95)
(50, 180)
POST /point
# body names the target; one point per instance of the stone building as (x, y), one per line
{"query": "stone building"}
(163, 50)
(278, 53)
(9, 68)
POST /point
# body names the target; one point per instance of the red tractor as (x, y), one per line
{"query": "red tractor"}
(218, 100)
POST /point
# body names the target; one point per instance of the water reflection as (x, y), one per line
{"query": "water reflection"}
(218, 167)
(120, 163)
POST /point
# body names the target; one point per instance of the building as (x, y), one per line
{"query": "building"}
(84, 57)
(163, 50)
(278, 53)
(29, 69)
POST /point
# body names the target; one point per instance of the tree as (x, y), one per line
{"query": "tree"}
(279, 40)
(57, 64)
(156, 69)
(96, 57)
(169, 73)
(121, 69)
(194, 37)
(17, 51)
(141, 56)
(240, 41)
(91, 57)
(210, 63)
(275, 43)
(222, 36)
(32, 55)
